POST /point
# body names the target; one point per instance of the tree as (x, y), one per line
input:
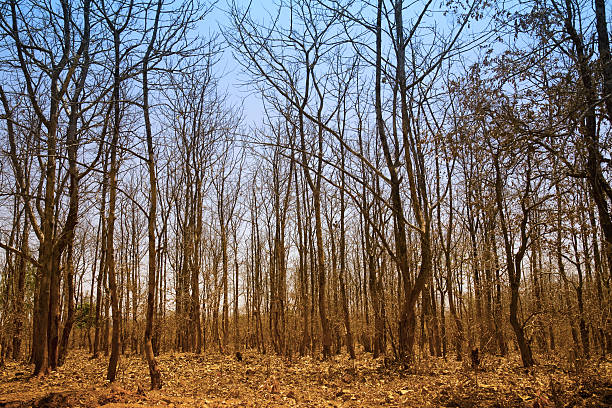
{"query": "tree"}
(40, 64)
(156, 381)
(116, 28)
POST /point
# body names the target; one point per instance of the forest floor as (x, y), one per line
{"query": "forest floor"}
(215, 380)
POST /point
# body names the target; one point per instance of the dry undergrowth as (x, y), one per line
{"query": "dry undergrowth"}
(214, 380)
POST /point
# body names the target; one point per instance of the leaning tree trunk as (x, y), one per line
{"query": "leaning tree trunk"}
(156, 381)
(513, 261)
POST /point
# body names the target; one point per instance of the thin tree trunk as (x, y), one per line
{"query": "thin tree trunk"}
(513, 261)
(19, 294)
(102, 272)
(156, 381)
(69, 305)
(344, 299)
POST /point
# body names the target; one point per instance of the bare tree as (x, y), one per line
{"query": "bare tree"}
(62, 66)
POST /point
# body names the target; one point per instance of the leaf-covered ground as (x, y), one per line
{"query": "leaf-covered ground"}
(214, 380)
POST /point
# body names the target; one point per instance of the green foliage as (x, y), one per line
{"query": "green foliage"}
(84, 317)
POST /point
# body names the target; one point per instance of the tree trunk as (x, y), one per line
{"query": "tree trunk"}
(69, 305)
(344, 299)
(599, 186)
(19, 294)
(102, 272)
(110, 246)
(224, 271)
(110, 251)
(155, 374)
(603, 45)
(195, 275)
(513, 261)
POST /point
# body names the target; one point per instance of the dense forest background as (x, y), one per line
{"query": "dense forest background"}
(422, 179)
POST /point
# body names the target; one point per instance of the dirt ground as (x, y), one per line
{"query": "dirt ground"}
(215, 380)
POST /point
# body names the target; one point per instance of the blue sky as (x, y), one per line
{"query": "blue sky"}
(232, 80)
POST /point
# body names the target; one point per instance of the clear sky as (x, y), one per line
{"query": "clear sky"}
(232, 80)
